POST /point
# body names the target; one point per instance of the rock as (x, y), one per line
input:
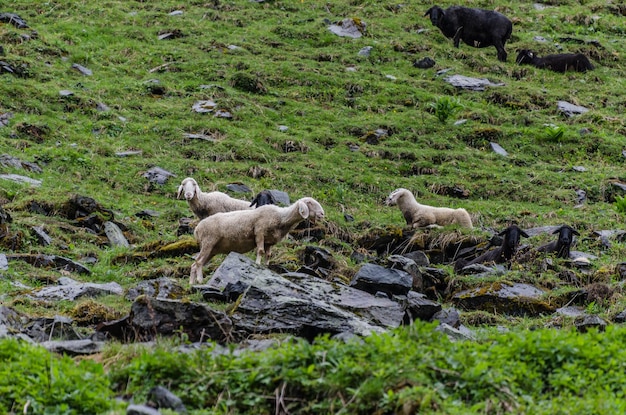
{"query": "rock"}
(424, 63)
(152, 317)
(21, 179)
(513, 299)
(366, 51)
(161, 288)
(158, 175)
(570, 109)
(372, 278)
(419, 257)
(466, 82)
(4, 119)
(163, 398)
(74, 347)
(461, 333)
(418, 307)
(204, 106)
(82, 69)
(129, 153)
(570, 311)
(40, 260)
(4, 262)
(9, 161)
(134, 409)
(620, 318)
(14, 19)
(449, 316)
(71, 290)
(498, 150)
(300, 304)
(353, 28)
(115, 235)
(42, 237)
(238, 188)
(585, 323)
(409, 266)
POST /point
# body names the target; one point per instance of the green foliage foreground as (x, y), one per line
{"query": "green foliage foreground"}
(409, 370)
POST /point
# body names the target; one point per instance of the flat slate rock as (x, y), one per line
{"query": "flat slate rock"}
(473, 84)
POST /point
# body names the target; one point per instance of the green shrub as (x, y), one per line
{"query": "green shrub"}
(445, 107)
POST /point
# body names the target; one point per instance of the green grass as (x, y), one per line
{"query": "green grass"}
(288, 69)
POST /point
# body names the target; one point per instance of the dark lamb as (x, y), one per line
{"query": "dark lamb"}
(499, 255)
(264, 197)
(563, 244)
(475, 27)
(560, 62)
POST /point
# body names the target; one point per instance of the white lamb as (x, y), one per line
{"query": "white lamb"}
(206, 204)
(418, 215)
(243, 231)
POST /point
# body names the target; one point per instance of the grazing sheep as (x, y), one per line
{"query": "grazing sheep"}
(418, 215)
(475, 27)
(499, 255)
(264, 197)
(206, 204)
(243, 231)
(563, 244)
(561, 62)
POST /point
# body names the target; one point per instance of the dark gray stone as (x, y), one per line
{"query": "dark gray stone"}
(158, 175)
(504, 298)
(373, 278)
(74, 347)
(71, 290)
(570, 109)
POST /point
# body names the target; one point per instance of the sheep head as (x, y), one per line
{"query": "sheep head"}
(435, 13)
(512, 236)
(310, 208)
(189, 188)
(264, 197)
(393, 197)
(524, 56)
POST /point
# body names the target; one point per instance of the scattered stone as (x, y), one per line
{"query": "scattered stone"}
(10, 161)
(579, 169)
(66, 93)
(4, 262)
(473, 84)
(449, 316)
(43, 261)
(462, 333)
(223, 114)
(21, 179)
(158, 175)
(163, 398)
(372, 278)
(620, 318)
(42, 237)
(129, 153)
(148, 214)
(283, 128)
(134, 409)
(353, 28)
(419, 257)
(498, 150)
(200, 137)
(418, 307)
(366, 51)
(585, 323)
(4, 119)
(161, 288)
(514, 299)
(74, 347)
(238, 188)
(115, 235)
(204, 106)
(82, 69)
(71, 290)
(424, 63)
(570, 109)
(570, 311)
(14, 19)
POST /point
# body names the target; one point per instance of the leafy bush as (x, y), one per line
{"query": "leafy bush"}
(32, 380)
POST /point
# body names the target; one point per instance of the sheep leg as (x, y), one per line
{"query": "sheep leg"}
(202, 258)
(501, 52)
(457, 36)
(268, 253)
(260, 248)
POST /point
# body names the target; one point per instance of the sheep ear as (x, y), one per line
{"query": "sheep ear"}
(303, 210)
(524, 234)
(556, 231)
(180, 190)
(575, 232)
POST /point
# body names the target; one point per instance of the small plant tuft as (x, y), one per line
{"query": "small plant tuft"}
(620, 204)
(445, 107)
(554, 133)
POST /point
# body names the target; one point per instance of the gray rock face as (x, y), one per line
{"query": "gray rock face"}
(115, 235)
(71, 290)
(570, 109)
(509, 299)
(373, 278)
(473, 84)
(300, 304)
(348, 28)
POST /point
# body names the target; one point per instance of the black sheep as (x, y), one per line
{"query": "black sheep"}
(563, 244)
(560, 62)
(475, 27)
(264, 197)
(499, 255)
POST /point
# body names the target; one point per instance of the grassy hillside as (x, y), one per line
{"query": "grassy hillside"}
(273, 65)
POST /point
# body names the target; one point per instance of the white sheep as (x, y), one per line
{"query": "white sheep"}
(418, 215)
(206, 204)
(243, 231)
